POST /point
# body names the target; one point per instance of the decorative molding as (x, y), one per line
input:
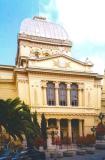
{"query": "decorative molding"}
(61, 63)
(45, 40)
(56, 84)
(22, 80)
(44, 83)
(80, 86)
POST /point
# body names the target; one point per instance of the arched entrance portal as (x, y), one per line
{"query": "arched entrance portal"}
(75, 129)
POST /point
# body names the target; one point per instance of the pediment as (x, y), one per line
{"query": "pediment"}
(61, 62)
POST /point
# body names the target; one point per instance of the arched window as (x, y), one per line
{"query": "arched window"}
(62, 94)
(74, 94)
(50, 93)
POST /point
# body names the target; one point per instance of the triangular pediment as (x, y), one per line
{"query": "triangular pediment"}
(61, 62)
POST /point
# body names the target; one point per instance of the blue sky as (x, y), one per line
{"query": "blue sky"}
(84, 21)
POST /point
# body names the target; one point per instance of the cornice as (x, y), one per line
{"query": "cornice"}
(61, 55)
(51, 71)
(68, 114)
(44, 40)
(7, 67)
(65, 72)
(7, 80)
(19, 69)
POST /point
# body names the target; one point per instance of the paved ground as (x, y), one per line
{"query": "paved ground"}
(99, 154)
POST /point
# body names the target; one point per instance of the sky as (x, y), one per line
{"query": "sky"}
(84, 21)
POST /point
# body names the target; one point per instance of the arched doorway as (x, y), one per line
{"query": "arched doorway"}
(75, 129)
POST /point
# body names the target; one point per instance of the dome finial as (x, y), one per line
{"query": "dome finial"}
(39, 17)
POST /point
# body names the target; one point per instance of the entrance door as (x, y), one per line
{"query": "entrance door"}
(64, 128)
(75, 129)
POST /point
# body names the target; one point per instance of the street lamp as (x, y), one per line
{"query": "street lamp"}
(93, 129)
(101, 116)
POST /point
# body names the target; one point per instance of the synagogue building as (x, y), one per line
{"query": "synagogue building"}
(51, 81)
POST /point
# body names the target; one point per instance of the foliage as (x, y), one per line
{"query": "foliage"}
(44, 130)
(86, 140)
(100, 130)
(16, 119)
(66, 141)
(56, 141)
(81, 140)
(36, 125)
(38, 142)
(35, 134)
(10, 116)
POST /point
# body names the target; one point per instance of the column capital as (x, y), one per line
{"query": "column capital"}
(56, 84)
(44, 84)
(80, 86)
(68, 85)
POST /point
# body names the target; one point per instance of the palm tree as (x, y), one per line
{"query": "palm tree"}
(15, 117)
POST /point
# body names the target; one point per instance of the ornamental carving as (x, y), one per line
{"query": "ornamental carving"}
(44, 84)
(61, 63)
(43, 52)
(81, 86)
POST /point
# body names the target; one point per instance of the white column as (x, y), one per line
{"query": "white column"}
(68, 94)
(80, 94)
(56, 93)
(69, 129)
(44, 86)
(58, 125)
(47, 123)
(80, 97)
(80, 128)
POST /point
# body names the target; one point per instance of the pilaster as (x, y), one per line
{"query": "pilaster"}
(68, 94)
(69, 129)
(57, 93)
(58, 125)
(44, 87)
(80, 128)
(80, 94)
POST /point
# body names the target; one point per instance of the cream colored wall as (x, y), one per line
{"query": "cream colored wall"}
(89, 122)
(7, 84)
(8, 90)
(91, 94)
(28, 87)
(35, 90)
(103, 95)
(23, 87)
(6, 75)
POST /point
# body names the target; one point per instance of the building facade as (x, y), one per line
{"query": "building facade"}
(50, 81)
(103, 97)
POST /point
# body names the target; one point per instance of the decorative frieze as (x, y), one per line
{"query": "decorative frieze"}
(22, 80)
